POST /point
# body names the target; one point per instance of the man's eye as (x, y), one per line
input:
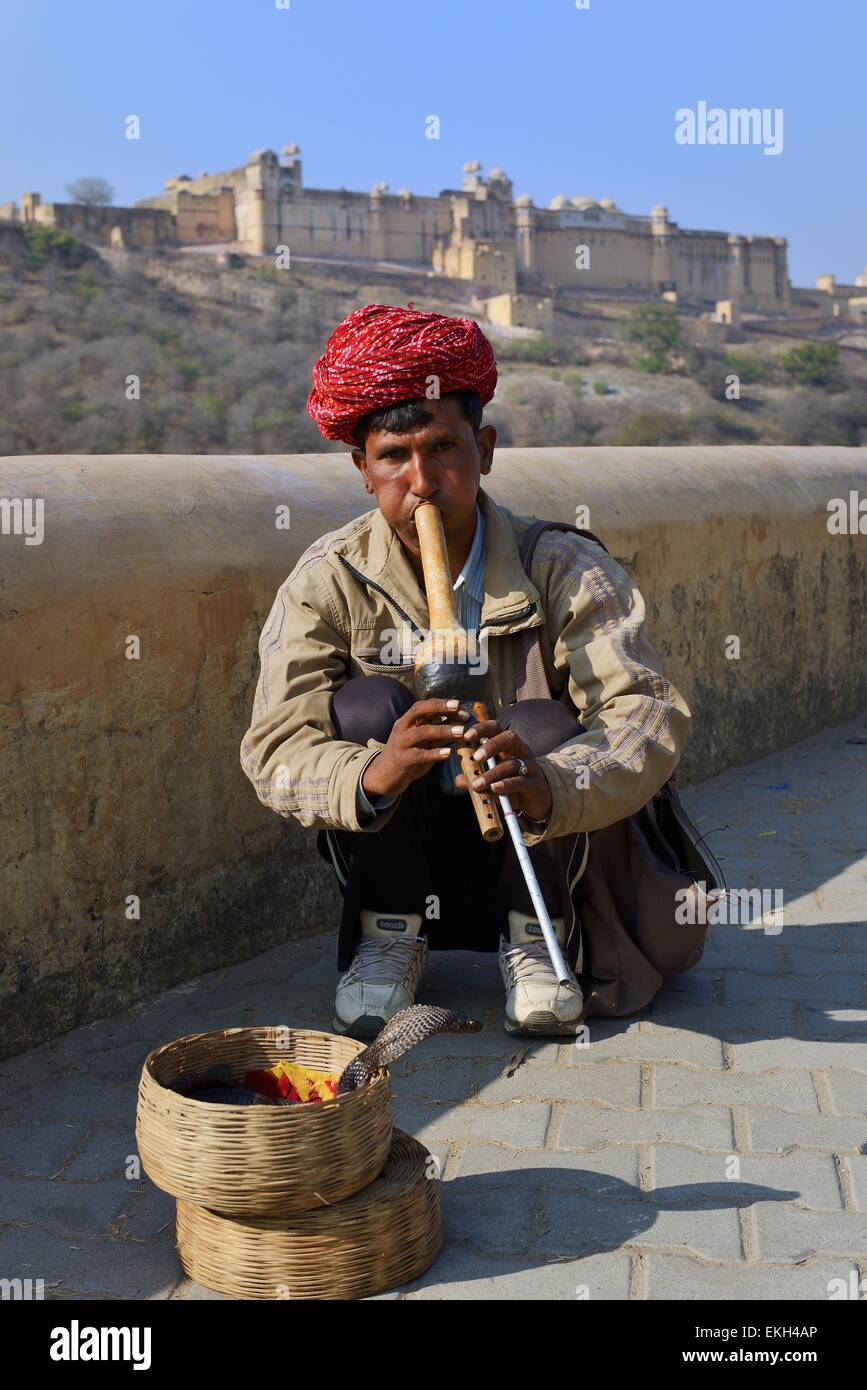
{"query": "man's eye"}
(445, 444)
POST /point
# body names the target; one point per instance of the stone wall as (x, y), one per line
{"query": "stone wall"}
(122, 779)
(141, 227)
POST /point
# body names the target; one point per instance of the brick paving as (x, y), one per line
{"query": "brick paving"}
(713, 1147)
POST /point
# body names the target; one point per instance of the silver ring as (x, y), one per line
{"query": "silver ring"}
(523, 770)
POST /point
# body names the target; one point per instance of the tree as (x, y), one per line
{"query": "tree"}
(52, 243)
(811, 364)
(91, 192)
(655, 328)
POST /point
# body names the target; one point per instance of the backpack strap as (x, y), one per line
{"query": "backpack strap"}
(531, 682)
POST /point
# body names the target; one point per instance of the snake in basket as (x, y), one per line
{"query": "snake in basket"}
(401, 1033)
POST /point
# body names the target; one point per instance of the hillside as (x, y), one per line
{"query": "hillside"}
(223, 355)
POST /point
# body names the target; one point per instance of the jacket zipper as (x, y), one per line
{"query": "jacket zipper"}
(510, 617)
(371, 584)
(524, 612)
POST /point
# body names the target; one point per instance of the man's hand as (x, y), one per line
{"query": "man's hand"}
(531, 793)
(415, 744)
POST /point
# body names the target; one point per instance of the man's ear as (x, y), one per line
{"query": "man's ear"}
(359, 458)
(487, 441)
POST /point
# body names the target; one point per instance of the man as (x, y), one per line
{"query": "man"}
(340, 742)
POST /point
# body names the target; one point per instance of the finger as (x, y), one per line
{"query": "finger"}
(428, 755)
(429, 733)
(484, 728)
(504, 744)
(424, 710)
(511, 786)
(463, 785)
(483, 781)
(507, 771)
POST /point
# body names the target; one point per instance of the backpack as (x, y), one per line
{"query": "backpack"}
(639, 873)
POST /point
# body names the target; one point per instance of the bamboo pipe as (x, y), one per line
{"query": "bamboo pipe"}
(444, 654)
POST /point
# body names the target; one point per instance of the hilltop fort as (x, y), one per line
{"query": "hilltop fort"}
(479, 232)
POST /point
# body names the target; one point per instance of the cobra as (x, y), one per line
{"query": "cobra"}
(403, 1031)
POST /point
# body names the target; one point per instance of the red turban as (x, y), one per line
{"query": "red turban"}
(381, 355)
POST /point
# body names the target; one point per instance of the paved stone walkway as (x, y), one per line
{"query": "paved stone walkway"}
(714, 1147)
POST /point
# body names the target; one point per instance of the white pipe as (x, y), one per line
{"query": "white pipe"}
(560, 968)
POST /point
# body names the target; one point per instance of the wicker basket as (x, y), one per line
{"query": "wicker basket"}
(266, 1160)
(380, 1238)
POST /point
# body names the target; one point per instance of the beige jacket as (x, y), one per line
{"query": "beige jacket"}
(335, 617)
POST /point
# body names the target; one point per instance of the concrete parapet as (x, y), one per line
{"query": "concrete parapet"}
(135, 853)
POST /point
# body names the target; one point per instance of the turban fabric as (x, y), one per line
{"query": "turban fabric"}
(381, 355)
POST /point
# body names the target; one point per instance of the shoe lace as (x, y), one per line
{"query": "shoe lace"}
(530, 961)
(384, 962)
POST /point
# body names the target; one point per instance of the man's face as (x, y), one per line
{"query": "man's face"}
(440, 462)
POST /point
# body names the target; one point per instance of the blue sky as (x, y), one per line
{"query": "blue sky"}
(566, 100)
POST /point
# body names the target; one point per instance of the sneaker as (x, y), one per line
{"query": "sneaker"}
(535, 1000)
(385, 973)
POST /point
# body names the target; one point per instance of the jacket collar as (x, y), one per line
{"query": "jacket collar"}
(511, 601)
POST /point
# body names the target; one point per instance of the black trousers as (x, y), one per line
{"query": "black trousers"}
(430, 858)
